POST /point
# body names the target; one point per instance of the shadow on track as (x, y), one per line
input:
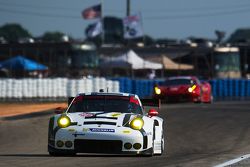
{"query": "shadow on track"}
(79, 155)
(24, 155)
(27, 116)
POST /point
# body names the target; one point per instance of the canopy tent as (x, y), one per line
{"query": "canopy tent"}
(22, 63)
(113, 63)
(130, 60)
(169, 64)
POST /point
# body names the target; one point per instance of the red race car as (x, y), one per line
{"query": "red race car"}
(184, 88)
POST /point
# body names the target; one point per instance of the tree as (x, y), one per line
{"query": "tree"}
(240, 35)
(54, 37)
(166, 41)
(220, 35)
(13, 32)
(148, 40)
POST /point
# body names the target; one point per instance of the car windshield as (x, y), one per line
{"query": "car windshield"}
(105, 103)
(176, 82)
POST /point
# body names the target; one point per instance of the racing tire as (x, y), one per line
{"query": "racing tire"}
(211, 99)
(151, 153)
(153, 145)
(198, 101)
(162, 144)
(153, 141)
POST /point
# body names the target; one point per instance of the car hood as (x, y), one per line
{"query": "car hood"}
(101, 118)
(174, 89)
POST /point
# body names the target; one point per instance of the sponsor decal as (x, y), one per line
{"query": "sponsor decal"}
(147, 133)
(78, 134)
(126, 131)
(71, 130)
(101, 130)
(116, 114)
(85, 129)
(86, 114)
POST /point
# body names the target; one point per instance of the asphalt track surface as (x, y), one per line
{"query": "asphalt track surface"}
(196, 135)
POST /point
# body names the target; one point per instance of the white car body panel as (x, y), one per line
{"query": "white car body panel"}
(112, 126)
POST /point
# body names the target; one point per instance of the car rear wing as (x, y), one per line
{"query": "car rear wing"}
(151, 102)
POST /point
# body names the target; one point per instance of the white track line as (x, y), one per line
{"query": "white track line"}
(233, 161)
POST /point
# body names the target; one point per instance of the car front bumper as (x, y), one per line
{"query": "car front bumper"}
(178, 97)
(122, 140)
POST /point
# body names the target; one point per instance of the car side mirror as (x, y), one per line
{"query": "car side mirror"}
(153, 112)
(59, 110)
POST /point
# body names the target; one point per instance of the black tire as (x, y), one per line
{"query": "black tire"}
(151, 153)
(162, 144)
(153, 141)
(211, 99)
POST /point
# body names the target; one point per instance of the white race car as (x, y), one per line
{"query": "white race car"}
(109, 123)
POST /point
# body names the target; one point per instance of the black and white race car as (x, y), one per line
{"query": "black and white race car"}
(109, 123)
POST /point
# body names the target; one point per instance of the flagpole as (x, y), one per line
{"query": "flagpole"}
(127, 14)
(102, 21)
(143, 38)
(128, 7)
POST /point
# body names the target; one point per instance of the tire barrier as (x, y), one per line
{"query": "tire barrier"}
(230, 88)
(141, 87)
(53, 88)
(221, 88)
(125, 84)
(63, 87)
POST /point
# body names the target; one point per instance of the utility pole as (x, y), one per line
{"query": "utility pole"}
(102, 21)
(128, 7)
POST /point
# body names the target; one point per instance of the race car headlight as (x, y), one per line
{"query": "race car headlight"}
(63, 121)
(157, 90)
(137, 123)
(191, 89)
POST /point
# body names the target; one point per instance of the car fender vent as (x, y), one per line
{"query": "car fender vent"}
(114, 118)
(99, 123)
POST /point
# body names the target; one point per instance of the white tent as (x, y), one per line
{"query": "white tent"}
(169, 64)
(131, 60)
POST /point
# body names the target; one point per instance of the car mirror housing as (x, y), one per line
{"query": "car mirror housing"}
(153, 112)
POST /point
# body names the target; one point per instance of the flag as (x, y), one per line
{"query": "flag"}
(132, 27)
(94, 29)
(92, 12)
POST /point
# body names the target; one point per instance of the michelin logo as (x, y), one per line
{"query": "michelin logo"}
(101, 130)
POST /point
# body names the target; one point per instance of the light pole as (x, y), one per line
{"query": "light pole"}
(128, 7)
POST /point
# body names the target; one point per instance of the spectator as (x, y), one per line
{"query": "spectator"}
(151, 75)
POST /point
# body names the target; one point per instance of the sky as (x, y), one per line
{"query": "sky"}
(175, 19)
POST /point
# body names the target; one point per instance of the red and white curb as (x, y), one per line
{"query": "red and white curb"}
(234, 161)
